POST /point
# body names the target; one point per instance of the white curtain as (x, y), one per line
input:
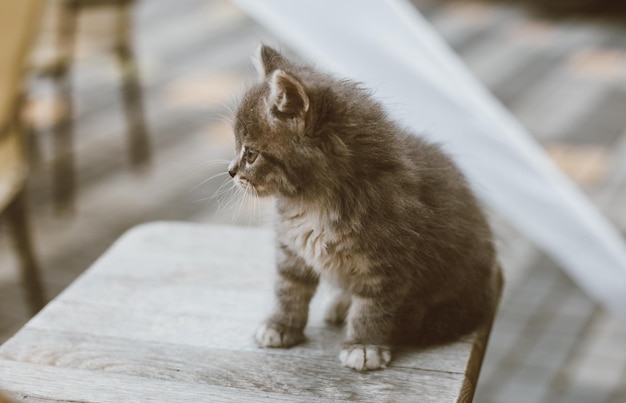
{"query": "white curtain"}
(387, 45)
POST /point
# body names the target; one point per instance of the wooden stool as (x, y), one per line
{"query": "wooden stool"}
(168, 313)
(18, 22)
(59, 71)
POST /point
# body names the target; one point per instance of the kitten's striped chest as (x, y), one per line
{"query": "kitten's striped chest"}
(319, 242)
(309, 234)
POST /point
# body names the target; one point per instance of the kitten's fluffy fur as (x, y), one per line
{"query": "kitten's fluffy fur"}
(376, 211)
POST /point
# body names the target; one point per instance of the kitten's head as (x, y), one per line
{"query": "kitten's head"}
(274, 152)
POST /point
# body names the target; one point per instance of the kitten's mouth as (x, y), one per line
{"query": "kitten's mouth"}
(249, 187)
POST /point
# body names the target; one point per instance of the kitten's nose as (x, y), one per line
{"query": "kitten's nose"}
(232, 168)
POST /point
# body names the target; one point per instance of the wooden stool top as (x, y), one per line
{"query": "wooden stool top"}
(168, 313)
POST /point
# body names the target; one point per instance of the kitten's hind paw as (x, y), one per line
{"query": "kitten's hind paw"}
(364, 357)
(274, 335)
(337, 309)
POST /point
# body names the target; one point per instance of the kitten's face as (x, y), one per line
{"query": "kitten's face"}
(259, 165)
(268, 128)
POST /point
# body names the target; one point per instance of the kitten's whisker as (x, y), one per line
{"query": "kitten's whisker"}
(248, 207)
(227, 118)
(245, 205)
(235, 97)
(233, 207)
(218, 200)
(226, 197)
(218, 117)
(221, 190)
(241, 194)
(229, 108)
(201, 200)
(209, 163)
(257, 207)
(217, 175)
(241, 203)
(223, 195)
(252, 208)
(232, 199)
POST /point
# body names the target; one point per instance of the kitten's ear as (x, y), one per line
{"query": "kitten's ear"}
(287, 94)
(268, 60)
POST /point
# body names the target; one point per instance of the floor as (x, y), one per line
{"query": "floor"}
(565, 81)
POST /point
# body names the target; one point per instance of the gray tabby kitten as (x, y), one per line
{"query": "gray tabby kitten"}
(379, 213)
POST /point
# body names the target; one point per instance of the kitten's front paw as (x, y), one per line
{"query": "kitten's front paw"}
(364, 357)
(274, 335)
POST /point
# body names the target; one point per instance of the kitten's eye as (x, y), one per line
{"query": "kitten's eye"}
(251, 155)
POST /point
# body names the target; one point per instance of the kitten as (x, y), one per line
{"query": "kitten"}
(376, 211)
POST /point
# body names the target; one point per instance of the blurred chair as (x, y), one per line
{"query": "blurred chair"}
(68, 12)
(18, 24)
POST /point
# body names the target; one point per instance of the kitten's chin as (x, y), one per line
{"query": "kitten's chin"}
(260, 191)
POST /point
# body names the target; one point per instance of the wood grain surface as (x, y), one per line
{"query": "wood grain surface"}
(167, 314)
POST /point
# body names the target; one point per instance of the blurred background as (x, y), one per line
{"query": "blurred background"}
(125, 107)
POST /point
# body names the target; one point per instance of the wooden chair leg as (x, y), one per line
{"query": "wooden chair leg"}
(64, 181)
(64, 186)
(138, 140)
(19, 226)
